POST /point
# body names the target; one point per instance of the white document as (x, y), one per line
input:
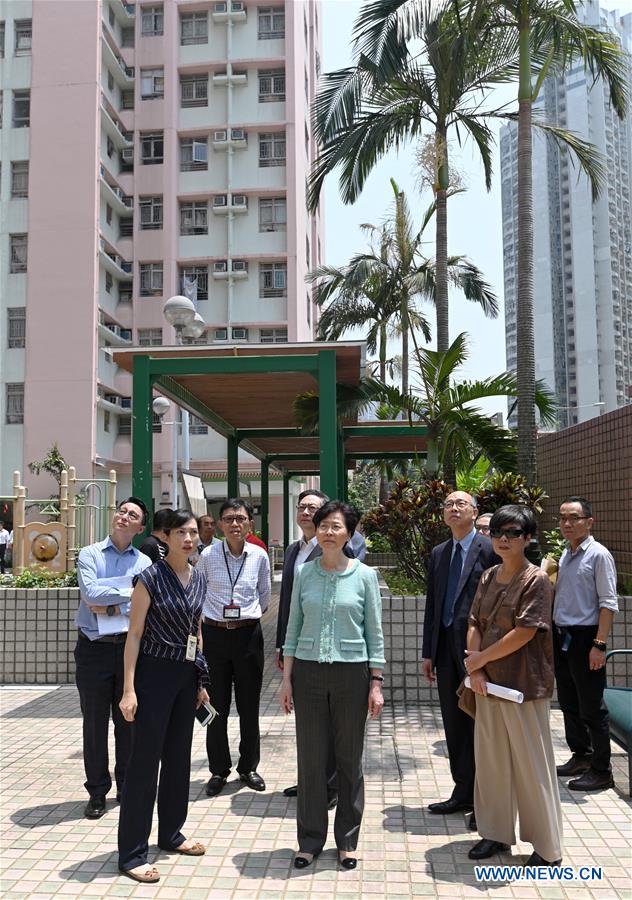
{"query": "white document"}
(115, 624)
(497, 690)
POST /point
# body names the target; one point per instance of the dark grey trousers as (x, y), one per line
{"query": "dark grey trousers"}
(329, 698)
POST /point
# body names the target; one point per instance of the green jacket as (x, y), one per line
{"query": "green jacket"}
(336, 616)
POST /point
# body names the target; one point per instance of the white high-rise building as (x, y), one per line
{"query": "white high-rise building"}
(582, 250)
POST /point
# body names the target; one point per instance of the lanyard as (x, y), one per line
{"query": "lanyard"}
(230, 577)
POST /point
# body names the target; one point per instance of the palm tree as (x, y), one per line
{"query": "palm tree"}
(391, 94)
(550, 38)
(381, 289)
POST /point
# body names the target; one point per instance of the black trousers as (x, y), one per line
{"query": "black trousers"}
(458, 726)
(234, 657)
(3, 550)
(99, 677)
(166, 692)
(329, 699)
(580, 694)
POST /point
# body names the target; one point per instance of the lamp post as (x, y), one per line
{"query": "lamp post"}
(161, 407)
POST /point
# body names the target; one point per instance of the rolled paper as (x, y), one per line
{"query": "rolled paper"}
(497, 690)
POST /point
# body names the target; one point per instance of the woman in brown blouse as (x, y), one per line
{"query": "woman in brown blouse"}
(509, 643)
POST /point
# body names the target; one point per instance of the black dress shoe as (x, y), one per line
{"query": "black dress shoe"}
(575, 766)
(349, 862)
(592, 781)
(291, 791)
(95, 807)
(536, 860)
(302, 862)
(486, 848)
(215, 785)
(254, 781)
(445, 807)
(472, 823)
(332, 801)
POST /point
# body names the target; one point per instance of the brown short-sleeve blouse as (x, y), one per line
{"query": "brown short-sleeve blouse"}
(527, 602)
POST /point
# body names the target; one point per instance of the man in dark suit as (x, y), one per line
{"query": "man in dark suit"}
(453, 574)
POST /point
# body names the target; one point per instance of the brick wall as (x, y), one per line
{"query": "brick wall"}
(593, 460)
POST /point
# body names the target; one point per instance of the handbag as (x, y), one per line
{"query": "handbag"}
(467, 697)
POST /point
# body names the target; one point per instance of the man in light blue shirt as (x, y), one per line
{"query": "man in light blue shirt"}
(105, 571)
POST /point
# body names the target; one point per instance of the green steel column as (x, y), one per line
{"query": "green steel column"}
(232, 461)
(340, 456)
(142, 420)
(345, 479)
(328, 422)
(286, 509)
(265, 500)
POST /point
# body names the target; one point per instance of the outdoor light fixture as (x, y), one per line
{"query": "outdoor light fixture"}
(179, 311)
(161, 407)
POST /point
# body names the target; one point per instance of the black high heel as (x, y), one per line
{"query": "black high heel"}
(348, 862)
(301, 862)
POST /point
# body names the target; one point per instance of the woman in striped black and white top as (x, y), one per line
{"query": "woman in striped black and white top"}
(165, 678)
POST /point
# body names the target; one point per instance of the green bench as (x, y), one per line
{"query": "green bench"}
(619, 703)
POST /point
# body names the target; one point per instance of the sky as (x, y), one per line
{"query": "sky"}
(474, 218)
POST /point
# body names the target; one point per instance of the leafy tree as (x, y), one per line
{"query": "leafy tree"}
(53, 463)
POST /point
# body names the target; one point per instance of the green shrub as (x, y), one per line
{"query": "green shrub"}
(39, 577)
(378, 543)
(400, 584)
(554, 544)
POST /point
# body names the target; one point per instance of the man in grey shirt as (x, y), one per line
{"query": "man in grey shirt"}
(585, 603)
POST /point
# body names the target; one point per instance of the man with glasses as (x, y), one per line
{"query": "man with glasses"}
(237, 594)
(585, 604)
(454, 571)
(482, 524)
(105, 571)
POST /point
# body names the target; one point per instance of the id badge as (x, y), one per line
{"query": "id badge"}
(191, 648)
(567, 642)
(232, 612)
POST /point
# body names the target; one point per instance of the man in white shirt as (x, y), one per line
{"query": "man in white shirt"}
(5, 539)
(237, 594)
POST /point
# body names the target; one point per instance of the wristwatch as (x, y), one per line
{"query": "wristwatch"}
(600, 645)
(109, 611)
(377, 678)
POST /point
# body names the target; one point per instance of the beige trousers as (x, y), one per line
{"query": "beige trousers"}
(515, 772)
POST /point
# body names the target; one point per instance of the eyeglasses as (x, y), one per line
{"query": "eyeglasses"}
(460, 504)
(336, 527)
(509, 533)
(572, 520)
(482, 529)
(307, 507)
(132, 516)
(228, 520)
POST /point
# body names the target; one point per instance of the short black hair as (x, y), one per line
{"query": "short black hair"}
(237, 503)
(585, 505)
(313, 493)
(161, 517)
(138, 502)
(349, 514)
(515, 514)
(177, 518)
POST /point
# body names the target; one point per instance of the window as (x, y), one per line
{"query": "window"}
(127, 99)
(1, 105)
(127, 37)
(18, 251)
(110, 81)
(108, 213)
(152, 148)
(152, 21)
(111, 17)
(271, 22)
(221, 334)
(271, 85)
(16, 326)
(152, 83)
(124, 426)
(1, 40)
(126, 228)
(273, 279)
(194, 28)
(198, 275)
(193, 154)
(109, 282)
(272, 149)
(21, 109)
(109, 147)
(150, 279)
(125, 294)
(194, 218)
(149, 337)
(197, 426)
(15, 404)
(23, 37)
(273, 336)
(106, 419)
(194, 91)
(150, 213)
(19, 179)
(272, 214)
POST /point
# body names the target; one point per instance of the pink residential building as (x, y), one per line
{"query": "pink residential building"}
(165, 149)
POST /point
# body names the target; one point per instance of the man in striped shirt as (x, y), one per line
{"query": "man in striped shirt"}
(237, 594)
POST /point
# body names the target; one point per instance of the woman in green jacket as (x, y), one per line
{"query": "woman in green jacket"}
(332, 675)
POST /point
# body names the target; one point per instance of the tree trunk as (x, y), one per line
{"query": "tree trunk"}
(525, 359)
(383, 354)
(441, 250)
(405, 327)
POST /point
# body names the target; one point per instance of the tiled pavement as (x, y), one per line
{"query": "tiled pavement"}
(48, 849)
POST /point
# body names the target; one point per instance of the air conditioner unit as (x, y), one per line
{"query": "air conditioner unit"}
(127, 155)
(112, 398)
(126, 334)
(219, 137)
(240, 200)
(115, 329)
(240, 265)
(221, 334)
(220, 7)
(220, 266)
(237, 6)
(240, 334)
(238, 134)
(220, 200)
